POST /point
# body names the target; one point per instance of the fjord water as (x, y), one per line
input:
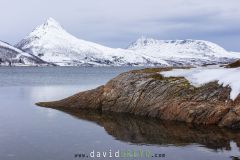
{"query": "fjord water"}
(30, 132)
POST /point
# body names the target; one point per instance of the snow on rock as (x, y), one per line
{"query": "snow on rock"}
(52, 43)
(202, 75)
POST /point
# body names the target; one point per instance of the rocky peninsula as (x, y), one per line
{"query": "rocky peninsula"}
(146, 92)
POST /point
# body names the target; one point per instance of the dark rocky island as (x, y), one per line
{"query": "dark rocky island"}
(147, 93)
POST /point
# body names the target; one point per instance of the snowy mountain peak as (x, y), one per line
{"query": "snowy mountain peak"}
(46, 32)
(145, 42)
(178, 46)
(50, 22)
(142, 41)
(50, 25)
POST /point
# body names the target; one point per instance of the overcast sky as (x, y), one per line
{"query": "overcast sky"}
(116, 23)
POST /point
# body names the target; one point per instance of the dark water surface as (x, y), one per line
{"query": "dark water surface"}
(28, 132)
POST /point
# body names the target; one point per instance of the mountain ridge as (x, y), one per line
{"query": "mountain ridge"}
(52, 43)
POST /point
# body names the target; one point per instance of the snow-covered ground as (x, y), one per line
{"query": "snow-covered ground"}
(202, 75)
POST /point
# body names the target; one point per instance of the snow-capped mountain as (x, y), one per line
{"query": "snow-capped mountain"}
(11, 56)
(52, 43)
(187, 51)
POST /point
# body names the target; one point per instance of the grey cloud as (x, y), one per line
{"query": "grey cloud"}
(117, 23)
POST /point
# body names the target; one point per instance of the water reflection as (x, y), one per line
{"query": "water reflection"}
(139, 130)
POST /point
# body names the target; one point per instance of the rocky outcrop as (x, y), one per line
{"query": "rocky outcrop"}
(147, 93)
(234, 64)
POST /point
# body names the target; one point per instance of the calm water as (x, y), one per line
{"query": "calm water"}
(28, 132)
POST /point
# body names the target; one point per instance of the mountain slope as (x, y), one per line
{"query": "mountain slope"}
(52, 43)
(11, 56)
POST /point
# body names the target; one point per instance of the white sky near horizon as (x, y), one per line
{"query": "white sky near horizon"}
(118, 23)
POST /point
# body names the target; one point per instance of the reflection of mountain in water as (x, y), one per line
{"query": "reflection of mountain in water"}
(140, 130)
